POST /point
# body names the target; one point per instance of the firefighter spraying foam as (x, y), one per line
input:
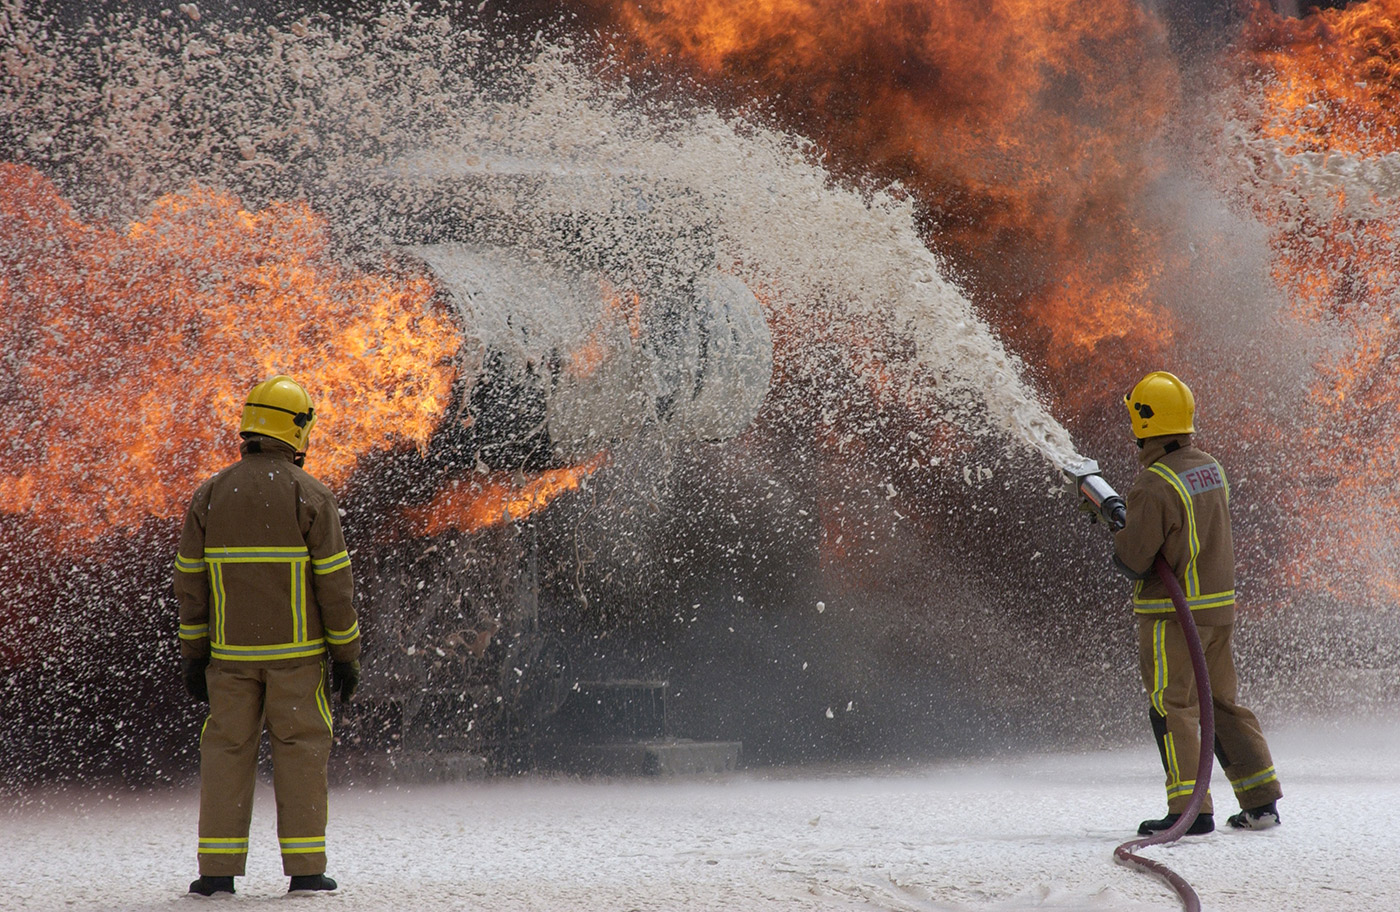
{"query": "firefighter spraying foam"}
(265, 589)
(1172, 538)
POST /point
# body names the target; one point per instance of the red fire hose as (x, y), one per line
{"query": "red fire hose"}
(1124, 853)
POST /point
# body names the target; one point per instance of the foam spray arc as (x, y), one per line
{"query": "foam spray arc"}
(1106, 504)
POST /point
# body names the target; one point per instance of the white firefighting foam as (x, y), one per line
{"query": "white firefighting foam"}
(306, 107)
(1033, 832)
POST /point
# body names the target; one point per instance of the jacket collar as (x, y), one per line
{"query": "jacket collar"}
(259, 444)
(1154, 448)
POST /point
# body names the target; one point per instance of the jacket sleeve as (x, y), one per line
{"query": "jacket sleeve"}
(192, 584)
(1137, 543)
(332, 580)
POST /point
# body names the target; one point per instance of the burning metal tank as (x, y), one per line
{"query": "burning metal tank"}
(564, 363)
(593, 312)
(591, 302)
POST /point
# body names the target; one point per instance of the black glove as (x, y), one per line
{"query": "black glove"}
(195, 682)
(345, 677)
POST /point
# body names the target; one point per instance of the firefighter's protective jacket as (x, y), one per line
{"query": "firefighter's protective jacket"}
(262, 573)
(1179, 504)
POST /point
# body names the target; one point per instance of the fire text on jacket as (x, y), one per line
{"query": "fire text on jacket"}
(1202, 479)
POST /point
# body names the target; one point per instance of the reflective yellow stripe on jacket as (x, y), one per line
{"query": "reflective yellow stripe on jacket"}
(189, 564)
(268, 653)
(324, 565)
(256, 555)
(341, 637)
(1191, 581)
(298, 558)
(185, 564)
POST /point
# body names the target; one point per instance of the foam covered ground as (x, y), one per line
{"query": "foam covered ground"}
(1018, 833)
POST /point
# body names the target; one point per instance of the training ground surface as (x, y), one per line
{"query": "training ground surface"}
(1029, 832)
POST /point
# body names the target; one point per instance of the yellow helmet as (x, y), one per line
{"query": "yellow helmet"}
(279, 408)
(1161, 404)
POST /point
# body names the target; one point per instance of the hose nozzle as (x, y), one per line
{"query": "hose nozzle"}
(1106, 504)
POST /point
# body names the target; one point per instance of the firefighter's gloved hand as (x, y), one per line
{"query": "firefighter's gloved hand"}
(195, 682)
(345, 677)
(1085, 506)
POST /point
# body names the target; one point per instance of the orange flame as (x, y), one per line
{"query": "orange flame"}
(1019, 125)
(1330, 82)
(128, 354)
(1335, 83)
(476, 503)
(619, 306)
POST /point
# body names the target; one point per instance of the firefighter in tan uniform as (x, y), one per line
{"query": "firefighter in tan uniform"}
(264, 586)
(1179, 505)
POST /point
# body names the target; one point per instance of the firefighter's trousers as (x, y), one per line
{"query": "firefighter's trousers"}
(1171, 685)
(290, 702)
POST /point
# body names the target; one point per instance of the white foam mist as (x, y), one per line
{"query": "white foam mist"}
(119, 112)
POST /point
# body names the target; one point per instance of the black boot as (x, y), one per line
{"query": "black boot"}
(1204, 823)
(208, 886)
(1257, 818)
(310, 882)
